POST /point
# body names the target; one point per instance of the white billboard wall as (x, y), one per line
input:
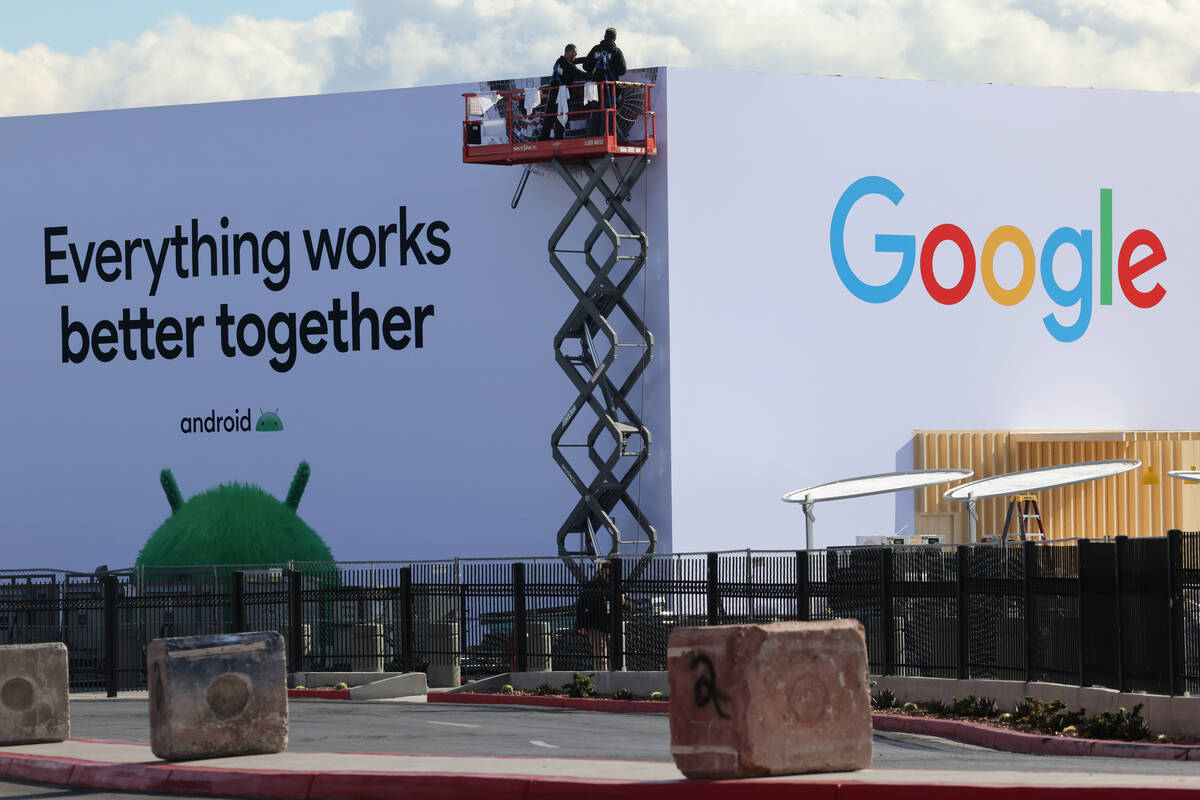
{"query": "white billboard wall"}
(119, 341)
(772, 369)
(1073, 210)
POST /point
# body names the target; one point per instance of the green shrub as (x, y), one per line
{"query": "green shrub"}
(340, 686)
(622, 694)
(883, 699)
(974, 707)
(1049, 717)
(544, 690)
(580, 686)
(657, 696)
(1123, 724)
(507, 689)
(937, 707)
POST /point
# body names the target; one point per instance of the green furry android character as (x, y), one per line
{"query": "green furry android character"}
(235, 523)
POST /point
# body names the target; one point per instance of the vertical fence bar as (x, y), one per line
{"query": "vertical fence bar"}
(714, 591)
(461, 641)
(112, 634)
(1080, 547)
(616, 602)
(1178, 654)
(406, 620)
(295, 631)
(1030, 553)
(1123, 554)
(803, 590)
(521, 642)
(964, 628)
(238, 601)
(889, 619)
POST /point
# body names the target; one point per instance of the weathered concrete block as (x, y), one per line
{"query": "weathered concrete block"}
(778, 699)
(33, 693)
(443, 662)
(214, 696)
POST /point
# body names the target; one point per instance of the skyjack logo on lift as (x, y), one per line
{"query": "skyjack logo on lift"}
(1066, 297)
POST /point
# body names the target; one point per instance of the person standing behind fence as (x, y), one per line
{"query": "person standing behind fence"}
(592, 618)
(565, 76)
(604, 62)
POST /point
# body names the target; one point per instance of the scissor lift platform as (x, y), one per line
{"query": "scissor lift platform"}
(500, 129)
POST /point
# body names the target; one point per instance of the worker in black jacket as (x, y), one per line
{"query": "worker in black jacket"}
(604, 62)
(565, 74)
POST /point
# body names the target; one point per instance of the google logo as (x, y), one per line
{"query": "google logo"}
(1079, 240)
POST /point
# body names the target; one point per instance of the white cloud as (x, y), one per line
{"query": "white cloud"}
(179, 62)
(1142, 44)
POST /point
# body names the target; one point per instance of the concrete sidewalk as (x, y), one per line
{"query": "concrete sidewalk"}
(332, 776)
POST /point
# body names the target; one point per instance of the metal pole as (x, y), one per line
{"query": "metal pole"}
(238, 599)
(295, 648)
(809, 519)
(889, 620)
(406, 619)
(1178, 654)
(714, 592)
(972, 518)
(963, 554)
(802, 588)
(520, 640)
(112, 633)
(616, 602)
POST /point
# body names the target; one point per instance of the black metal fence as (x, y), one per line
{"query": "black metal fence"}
(1123, 614)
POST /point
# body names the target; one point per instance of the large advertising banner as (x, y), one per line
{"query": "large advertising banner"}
(226, 290)
(853, 260)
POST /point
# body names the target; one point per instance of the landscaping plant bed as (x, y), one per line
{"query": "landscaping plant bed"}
(579, 693)
(1033, 716)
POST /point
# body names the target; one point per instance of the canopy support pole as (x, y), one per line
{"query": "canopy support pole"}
(972, 518)
(809, 519)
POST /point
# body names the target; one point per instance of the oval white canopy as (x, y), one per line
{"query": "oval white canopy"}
(1185, 474)
(866, 485)
(875, 484)
(1033, 480)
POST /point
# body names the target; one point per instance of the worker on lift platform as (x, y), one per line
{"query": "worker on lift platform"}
(564, 75)
(604, 62)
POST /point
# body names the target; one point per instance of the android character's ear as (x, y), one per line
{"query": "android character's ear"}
(298, 483)
(171, 489)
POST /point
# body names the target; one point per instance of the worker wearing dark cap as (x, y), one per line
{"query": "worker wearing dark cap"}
(604, 62)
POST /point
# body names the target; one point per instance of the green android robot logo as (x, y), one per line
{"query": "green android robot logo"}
(268, 421)
(235, 523)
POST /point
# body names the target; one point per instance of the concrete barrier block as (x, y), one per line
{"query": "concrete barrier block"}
(777, 699)
(213, 696)
(409, 684)
(33, 693)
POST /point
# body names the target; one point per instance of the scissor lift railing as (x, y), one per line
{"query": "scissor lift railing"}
(603, 345)
(499, 129)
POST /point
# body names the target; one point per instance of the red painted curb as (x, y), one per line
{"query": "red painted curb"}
(1032, 743)
(246, 783)
(174, 778)
(578, 703)
(320, 694)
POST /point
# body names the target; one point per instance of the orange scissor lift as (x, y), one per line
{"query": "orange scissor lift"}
(505, 127)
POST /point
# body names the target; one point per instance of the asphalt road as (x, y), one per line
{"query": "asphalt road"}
(463, 730)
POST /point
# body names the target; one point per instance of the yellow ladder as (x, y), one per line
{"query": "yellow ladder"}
(1025, 507)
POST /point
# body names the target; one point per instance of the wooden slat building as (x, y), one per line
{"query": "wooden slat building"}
(1122, 505)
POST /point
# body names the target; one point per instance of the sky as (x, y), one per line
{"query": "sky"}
(63, 55)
